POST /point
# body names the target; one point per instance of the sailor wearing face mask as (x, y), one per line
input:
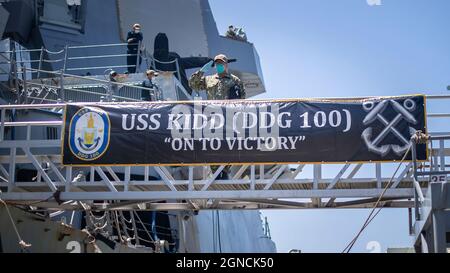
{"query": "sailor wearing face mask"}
(133, 38)
(220, 86)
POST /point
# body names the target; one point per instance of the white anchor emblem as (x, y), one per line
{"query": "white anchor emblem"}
(375, 113)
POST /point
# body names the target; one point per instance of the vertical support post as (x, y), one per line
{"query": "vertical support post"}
(441, 154)
(24, 80)
(439, 234)
(68, 178)
(41, 59)
(317, 169)
(252, 177)
(2, 124)
(63, 71)
(416, 197)
(435, 160)
(12, 169)
(61, 86)
(28, 135)
(66, 55)
(92, 175)
(191, 179)
(138, 55)
(146, 173)
(410, 222)
(109, 91)
(16, 77)
(431, 156)
(378, 174)
(261, 173)
(127, 178)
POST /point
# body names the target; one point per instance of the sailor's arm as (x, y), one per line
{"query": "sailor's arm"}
(197, 81)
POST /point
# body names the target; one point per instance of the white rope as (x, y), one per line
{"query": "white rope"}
(370, 218)
(22, 243)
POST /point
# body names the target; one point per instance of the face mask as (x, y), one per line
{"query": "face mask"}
(220, 68)
(137, 30)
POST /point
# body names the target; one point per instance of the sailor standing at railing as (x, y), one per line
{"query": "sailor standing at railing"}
(134, 39)
(150, 95)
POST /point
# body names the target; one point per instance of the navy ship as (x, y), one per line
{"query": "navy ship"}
(57, 51)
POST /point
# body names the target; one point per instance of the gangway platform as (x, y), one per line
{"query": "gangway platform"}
(250, 186)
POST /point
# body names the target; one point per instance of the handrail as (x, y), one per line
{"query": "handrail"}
(88, 78)
(438, 115)
(62, 50)
(82, 91)
(98, 67)
(32, 123)
(99, 45)
(67, 58)
(53, 52)
(150, 60)
(100, 56)
(32, 106)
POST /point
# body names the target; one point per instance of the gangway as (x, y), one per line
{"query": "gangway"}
(250, 186)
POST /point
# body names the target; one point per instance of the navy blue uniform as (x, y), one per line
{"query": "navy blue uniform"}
(148, 95)
(133, 49)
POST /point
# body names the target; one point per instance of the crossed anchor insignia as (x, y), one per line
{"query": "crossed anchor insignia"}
(375, 113)
(87, 148)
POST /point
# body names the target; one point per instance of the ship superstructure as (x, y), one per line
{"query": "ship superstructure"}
(65, 53)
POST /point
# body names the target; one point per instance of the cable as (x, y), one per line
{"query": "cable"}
(370, 218)
(22, 243)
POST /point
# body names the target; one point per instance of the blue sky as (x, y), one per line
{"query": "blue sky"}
(344, 48)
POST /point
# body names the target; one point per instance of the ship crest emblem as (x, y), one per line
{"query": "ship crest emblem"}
(89, 133)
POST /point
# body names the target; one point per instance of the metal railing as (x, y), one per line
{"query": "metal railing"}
(65, 60)
(436, 167)
(128, 227)
(73, 88)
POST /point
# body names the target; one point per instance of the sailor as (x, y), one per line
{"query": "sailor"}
(148, 95)
(220, 86)
(114, 88)
(242, 35)
(231, 32)
(134, 38)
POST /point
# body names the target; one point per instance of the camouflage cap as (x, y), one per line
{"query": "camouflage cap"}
(221, 57)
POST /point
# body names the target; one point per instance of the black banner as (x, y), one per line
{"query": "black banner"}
(242, 131)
